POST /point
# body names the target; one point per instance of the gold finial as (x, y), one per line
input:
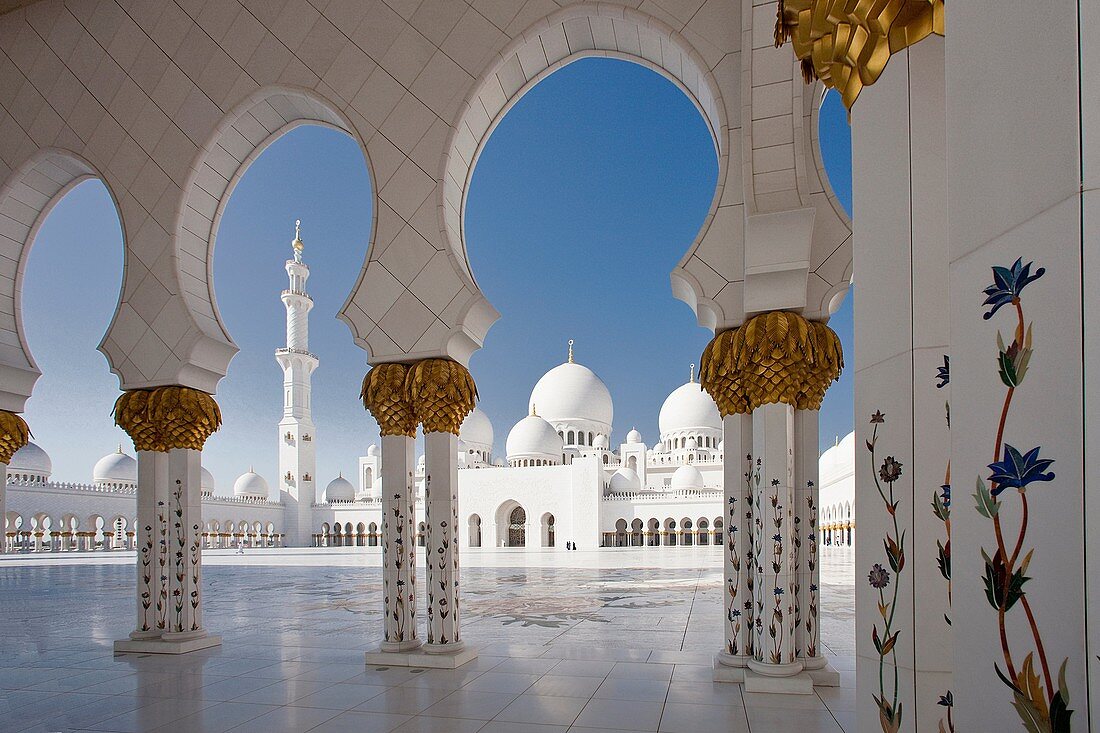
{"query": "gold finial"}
(297, 244)
(691, 379)
(570, 351)
(533, 409)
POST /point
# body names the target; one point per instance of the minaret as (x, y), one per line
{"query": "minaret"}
(297, 456)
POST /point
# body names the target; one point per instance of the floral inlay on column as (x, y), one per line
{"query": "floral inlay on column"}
(889, 706)
(1041, 702)
(941, 507)
(813, 630)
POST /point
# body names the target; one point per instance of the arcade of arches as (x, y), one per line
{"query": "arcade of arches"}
(168, 104)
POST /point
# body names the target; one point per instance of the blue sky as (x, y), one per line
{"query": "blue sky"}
(585, 197)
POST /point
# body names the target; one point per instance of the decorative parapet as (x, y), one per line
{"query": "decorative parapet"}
(658, 496)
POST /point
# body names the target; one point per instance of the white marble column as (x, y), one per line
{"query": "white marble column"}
(398, 545)
(807, 594)
(169, 556)
(4, 508)
(738, 481)
(775, 661)
(441, 546)
(152, 539)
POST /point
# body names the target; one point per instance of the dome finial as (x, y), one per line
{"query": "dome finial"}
(297, 244)
(120, 448)
(570, 351)
(533, 409)
(691, 379)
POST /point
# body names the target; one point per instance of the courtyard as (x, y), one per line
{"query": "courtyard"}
(585, 641)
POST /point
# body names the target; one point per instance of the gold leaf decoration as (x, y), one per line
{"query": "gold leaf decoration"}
(442, 393)
(771, 358)
(385, 395)
(14, 434)
(847, 43)
(163, 418)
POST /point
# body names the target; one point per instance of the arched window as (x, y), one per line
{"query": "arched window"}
(590, 438)
(571, 439)
(580, 438)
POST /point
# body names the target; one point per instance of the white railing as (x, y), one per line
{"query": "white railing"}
(678, 494)
(100, 488)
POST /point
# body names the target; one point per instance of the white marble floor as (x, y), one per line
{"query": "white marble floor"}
(587, 641)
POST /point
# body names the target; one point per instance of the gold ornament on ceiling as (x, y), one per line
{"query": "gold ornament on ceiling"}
(847, 43)
(164, 418)
(385, 395)
(442, 393)
(14, 434)
(775, 357)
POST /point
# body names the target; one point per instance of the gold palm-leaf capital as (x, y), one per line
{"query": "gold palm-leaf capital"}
(14, 434)
(385, 395)
(442, 393)
(163, 418)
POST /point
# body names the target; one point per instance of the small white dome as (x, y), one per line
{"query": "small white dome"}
(692, 443)
(572, 392)
(340, 490)
(115, 468)
(372, 450)
(687, 477)
(207, 483)
(633, 436)
(534, 437)
(721, 445)
(658, 448)
(837, 461)
(625, 479)
(421, 461)
(251, 485)
(477, 429)
(688, 408)
(600, 442)
(31, 459)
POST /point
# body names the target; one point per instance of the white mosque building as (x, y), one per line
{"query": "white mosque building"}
(560, 481)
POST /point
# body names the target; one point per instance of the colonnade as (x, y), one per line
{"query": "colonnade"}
(768, 377)
(436, 394)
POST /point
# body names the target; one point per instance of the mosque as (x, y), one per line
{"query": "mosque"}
(560, 483)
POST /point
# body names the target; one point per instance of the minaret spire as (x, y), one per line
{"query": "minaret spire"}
(691, 379)
(297, 457)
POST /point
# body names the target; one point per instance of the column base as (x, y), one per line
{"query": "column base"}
(797, 684)
(439, 659)
(393, 647)
(164, 645)
(729, 667)
(821, 673)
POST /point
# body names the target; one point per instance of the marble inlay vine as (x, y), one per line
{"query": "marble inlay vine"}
(162, 566)
(179, 537)
(146, 590)
(813, 629)
(753, 485)
(889, 704)
(733, 579)
(941, 507)
(1041, 701)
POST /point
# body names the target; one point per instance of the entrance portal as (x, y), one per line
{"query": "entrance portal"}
(517, 528)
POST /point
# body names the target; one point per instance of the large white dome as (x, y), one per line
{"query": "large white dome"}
(340, 490)
(533, 436)
(689, 407)
(687, 477)
(477, 429)
(571, 391)
(32, 460)
(115, 468)
(625, 479)
(207, 484)
(838, 461)
(251, 485)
